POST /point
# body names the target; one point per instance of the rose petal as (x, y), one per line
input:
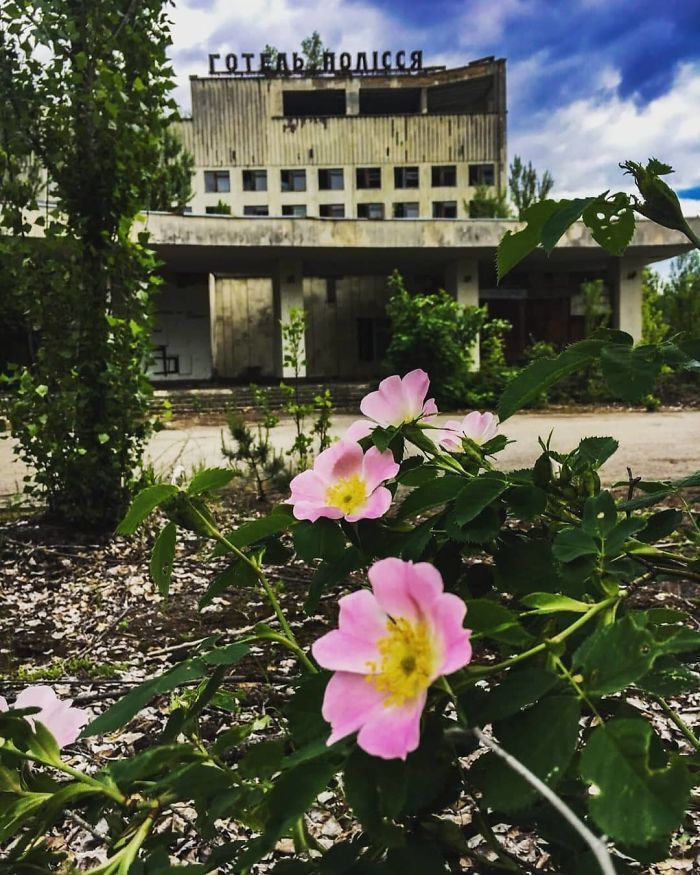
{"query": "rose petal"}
(341, 651)
(358, 430)
(378, 467)
(348, 702)
(393, 732)
(376, 505)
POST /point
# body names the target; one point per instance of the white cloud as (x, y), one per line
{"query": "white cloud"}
(582, 143)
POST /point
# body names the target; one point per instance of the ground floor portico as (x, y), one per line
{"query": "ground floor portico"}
(230, 284)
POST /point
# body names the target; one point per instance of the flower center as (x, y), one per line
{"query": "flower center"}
(347, 494)
(407, 661)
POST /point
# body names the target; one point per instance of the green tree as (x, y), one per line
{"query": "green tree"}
(488, 203)
(87, 82)
(525, 186)
(655, 329)
(680, 303)
(170, 188)
(312, 48)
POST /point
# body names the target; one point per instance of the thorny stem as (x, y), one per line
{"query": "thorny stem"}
(675, 719)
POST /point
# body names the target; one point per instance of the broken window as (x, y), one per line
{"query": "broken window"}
(255, 180)
(293, 180)
(405, 210)
(332, 211)
(406, 177)
(256, 210)
(444, 175)
(471, 96)
(389, 101)
(482, 174)
(220, 209)
(370, 211)
(305, 104)
(331, 179)
(297, 210)
(368, 177)
(217, 181)
(444, 209)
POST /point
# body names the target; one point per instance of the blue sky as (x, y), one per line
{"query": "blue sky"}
(590, 82)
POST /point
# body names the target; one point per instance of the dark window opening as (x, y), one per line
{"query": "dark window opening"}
(331, 179)
(389, 101)
(472, 96)
(331, 290)
(257, 210)
(368, 177)
(217, 181)
(372, 339)
(332, 211)
(370, 211)
(406, 177)
(444, 209)
(293, 180)
(406, 210)
(296, 210)
(163, 363)
(255, 180)
(482, 174)
(221, 209)
(444, 175)
(302, 104)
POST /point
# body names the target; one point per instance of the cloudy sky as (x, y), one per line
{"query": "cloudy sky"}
(590, 82)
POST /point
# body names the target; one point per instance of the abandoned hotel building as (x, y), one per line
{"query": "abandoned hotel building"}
(311, 188)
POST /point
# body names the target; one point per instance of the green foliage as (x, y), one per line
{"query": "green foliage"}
(170, 188)
(654, 325)
(525, 186)
(680, 301)
(435, 333)
(487, 203)
(84, 91)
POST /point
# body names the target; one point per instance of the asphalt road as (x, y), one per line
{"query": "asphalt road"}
(655, 445)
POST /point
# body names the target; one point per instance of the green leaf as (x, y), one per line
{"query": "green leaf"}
(477, 494)
(553, 603)
(228, 654)
(541, 374)
(122, 711)
(618, 537)
(330, 573)
(489, 619)
(255, 530)
(263, 759)
(438, 491)
(323, 539)
(633, 801)
(515, 246)
(615, 656)
(14, 814)
(611, 222)
(208, 479)
(163, 557)
(526, 564)
(561, 220)
(238, 573)
(543, 738)
(630, 373)
(657, 491)
(668, 678)
(516, 690)
(526, 501)
(660, 525)
(599, 515)
(571, 543)
(144, 504)
(597, 450)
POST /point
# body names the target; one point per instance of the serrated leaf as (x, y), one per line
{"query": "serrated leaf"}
(238, 573)
(561, 220)
(209, 479)
(254, 531)
(144, 504)
(323, 539)
(630, 373)
(438, 491)
(611, 222)
(476, 494)
(615, 656)
(330, 573)
(572, 543)
(660, 525)
(633, 802)
(669, 678)
(163, 557)
(597, 450)
(553, 603)
(515, 246)
(515, 692)
(489, 619)
(599, 515)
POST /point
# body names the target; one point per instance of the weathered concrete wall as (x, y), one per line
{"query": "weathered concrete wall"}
(243, 328)
(182, 327)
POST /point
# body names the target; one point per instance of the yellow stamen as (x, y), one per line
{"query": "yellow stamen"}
(347, 494)
(407, 661)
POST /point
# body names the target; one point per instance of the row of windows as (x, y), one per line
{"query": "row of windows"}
(333, 179)
(404, 210)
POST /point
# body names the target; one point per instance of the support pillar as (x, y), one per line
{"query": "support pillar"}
(289, 294)
(462, 281)
(628, 302)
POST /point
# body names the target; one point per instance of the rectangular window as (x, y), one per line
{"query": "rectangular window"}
(331, 290)
(368, 177)
(256, 210)
(217, 181)
(409, 210)
(406, 177)
(255, 180)
(297, 210)
(293, 180)
(372, 339)
(331, 180)
(221, 209)
(332, 211)
(370, 211)
(482, 174)
(314, 104)
(444, 209)
(443, 175)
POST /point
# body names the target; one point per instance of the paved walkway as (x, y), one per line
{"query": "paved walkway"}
(654, 445)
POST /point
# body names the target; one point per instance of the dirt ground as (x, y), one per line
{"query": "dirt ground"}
(664, 444)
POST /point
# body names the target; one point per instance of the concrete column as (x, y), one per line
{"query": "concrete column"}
(462, 281)
(628, 303)
(289, 294)
(352, 97)
(213, 316)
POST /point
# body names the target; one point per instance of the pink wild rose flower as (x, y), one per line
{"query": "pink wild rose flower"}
(344, 482)
(62, 721)
(390, 645)
(397, 400)
(480, 427)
